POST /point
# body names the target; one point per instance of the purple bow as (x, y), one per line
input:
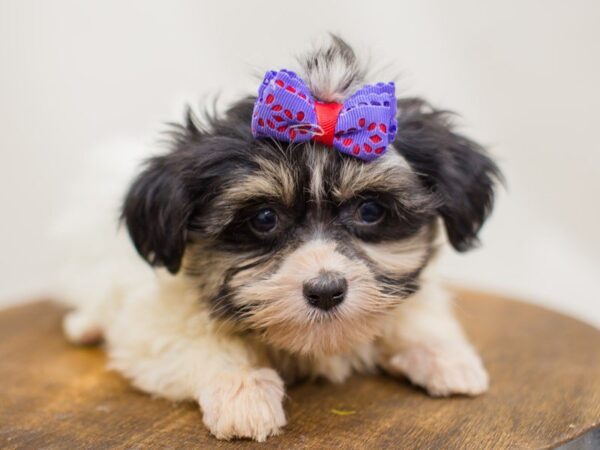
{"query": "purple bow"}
(363, 126)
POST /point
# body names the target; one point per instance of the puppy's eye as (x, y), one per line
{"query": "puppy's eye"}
(264, 221)
(370, 212)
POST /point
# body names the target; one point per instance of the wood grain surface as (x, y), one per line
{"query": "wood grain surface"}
(544, 367)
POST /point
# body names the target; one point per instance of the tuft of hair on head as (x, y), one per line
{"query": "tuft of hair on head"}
(333, 71)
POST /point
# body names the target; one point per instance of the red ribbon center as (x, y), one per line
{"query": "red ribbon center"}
(327, 116)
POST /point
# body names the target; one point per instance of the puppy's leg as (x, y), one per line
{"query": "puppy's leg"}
(244, 402)
(182, 355)
(81, 328)
(427, 345)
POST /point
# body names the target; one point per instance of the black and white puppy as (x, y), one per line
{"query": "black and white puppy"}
(287, 262)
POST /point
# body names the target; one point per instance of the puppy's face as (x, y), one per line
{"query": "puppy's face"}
(308, 247)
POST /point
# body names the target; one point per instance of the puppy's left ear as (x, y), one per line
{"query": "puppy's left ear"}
(452, 166)
(156, 212)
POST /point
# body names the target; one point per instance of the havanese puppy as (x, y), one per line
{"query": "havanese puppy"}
(297, 231)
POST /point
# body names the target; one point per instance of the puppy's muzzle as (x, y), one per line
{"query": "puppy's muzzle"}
(326, 290)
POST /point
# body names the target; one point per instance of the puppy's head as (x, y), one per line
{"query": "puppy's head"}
(306, 246)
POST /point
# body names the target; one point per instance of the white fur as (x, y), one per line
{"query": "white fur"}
(163, 339)
(425, 343)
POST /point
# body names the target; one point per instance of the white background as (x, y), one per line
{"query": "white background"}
(525, 76)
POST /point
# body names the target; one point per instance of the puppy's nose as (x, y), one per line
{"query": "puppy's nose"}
(325, 291)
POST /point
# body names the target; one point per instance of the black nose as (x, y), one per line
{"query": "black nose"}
(325, 291)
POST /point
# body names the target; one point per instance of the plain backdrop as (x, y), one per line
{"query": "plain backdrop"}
(524, 75)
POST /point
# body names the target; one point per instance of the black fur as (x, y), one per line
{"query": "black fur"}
(156, 212)
(452, 166)
(173, 189)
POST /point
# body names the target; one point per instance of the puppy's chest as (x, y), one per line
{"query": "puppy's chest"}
(335, 368)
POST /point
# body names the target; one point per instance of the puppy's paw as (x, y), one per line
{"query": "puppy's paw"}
(248, 404)
(81, 329)
(444, 370)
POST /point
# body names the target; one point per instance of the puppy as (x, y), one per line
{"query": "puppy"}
(290, 253)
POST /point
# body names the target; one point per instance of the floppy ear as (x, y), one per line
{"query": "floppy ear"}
(156, 211)
(452, 166)
(173, 189)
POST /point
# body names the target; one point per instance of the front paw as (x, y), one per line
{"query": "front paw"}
(444, 370)
(246, 404)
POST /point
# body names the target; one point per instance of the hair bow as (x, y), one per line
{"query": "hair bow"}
(363, 126)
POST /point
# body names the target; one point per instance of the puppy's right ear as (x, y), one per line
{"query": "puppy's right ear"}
(156, 212)
(454, 167)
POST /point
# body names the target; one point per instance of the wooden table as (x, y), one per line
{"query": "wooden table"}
(544, 367)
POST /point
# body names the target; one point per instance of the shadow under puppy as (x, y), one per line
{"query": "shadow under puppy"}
(294, 255)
